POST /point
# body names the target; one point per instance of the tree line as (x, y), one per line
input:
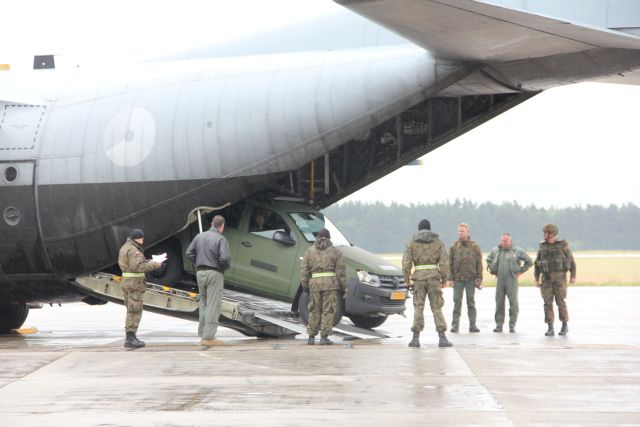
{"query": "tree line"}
(386, 229)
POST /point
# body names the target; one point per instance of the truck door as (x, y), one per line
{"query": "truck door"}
(263, 264)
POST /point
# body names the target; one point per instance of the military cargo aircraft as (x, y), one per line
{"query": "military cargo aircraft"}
(87, 155)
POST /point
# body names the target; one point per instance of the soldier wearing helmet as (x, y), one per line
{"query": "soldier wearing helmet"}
(553, 261)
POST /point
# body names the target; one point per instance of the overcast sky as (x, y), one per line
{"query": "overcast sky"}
(589, 133)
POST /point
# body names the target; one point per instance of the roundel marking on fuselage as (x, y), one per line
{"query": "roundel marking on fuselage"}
(129, 137)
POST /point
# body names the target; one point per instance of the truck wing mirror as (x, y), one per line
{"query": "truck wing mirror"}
(284, 238)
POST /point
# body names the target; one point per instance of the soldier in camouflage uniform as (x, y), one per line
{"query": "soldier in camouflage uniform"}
(553, 261)
(465, 259)
(427, 254)
(322, 274)
(133, 265)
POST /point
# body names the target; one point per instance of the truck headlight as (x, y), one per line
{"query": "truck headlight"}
(368, 279)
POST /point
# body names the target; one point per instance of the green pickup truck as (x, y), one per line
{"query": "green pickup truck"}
(267, 240)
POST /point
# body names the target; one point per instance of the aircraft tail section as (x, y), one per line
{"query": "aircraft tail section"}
(470, 30)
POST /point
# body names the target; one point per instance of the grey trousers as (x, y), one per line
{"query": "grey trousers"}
(210, 285)
(508, 288)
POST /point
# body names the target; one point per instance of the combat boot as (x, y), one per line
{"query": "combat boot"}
(415, 342)
(132, 342)
(311, 340)
(473, 328)
(498, 329)
(325, 341)
(444, 342)
(550, 332)
(565, 329)
(454, 329)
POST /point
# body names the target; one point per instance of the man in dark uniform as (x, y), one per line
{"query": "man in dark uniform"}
(322, 274)
(553, 261)
(133, 265)
(209, 252)
(429, 257)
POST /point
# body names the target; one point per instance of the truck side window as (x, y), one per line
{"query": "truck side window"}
(265, 222)
(231, 214)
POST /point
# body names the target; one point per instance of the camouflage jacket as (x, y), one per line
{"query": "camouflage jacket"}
(323, 257)
(465, 259)
(132, 260)
(425, 249)
(554, 257)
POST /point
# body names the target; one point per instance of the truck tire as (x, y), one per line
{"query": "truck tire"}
(367, 322)
(303, 308)
(12, 316)
(171, 270)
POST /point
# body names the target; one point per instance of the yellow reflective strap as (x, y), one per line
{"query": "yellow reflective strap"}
(426, 267)
(132, 274)
(327, 274)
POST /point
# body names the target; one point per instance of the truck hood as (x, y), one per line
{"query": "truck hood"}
(365, 260)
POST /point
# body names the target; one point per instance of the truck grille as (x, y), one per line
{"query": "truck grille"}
(391, 281)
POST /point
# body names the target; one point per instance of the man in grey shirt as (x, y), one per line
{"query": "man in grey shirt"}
(209, 251)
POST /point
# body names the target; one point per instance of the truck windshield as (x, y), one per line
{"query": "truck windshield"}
(309, 223)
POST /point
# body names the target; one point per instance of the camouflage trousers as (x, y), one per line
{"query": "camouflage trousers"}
(459, 288)
(554, 285)
(210, 285)
(133, 296)
(432, 287)
(322, 309)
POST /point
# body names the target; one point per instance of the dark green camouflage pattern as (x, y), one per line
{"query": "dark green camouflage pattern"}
(465, 259)
(552, 263)
(322, 308)
(323, 257)
(132, 260)
(426, 249)
(555, 256)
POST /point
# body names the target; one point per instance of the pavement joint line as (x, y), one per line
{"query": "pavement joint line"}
(478, 378)
(33, 372)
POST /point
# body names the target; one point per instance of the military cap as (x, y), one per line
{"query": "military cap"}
(550, 228)
(324, 233)
(136, 233)
(424, 225)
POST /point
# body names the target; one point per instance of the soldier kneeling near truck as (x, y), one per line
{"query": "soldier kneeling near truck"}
(322, 273)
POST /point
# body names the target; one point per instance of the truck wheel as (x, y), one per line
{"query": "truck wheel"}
(12, 316)
(303, 308)
(367, 322)
(171, 270)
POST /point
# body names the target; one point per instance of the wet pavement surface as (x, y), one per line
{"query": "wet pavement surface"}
(74, 371)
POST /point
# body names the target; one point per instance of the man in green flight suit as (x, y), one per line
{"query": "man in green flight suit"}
(553, 261)
(133, 265)
(427, 254)
(322, 273)
(508, 263)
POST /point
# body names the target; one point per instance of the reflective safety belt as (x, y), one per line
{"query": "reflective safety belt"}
(326, 274)
(132, 274)
(427, 267)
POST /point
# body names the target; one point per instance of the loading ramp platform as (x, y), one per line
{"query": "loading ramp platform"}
(249, 314)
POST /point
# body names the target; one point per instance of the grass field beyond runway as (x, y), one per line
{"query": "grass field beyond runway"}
(599, 268)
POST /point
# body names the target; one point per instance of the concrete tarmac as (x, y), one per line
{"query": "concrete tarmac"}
(74, 371)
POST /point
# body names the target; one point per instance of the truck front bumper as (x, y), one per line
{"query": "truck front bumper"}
(370, 300)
